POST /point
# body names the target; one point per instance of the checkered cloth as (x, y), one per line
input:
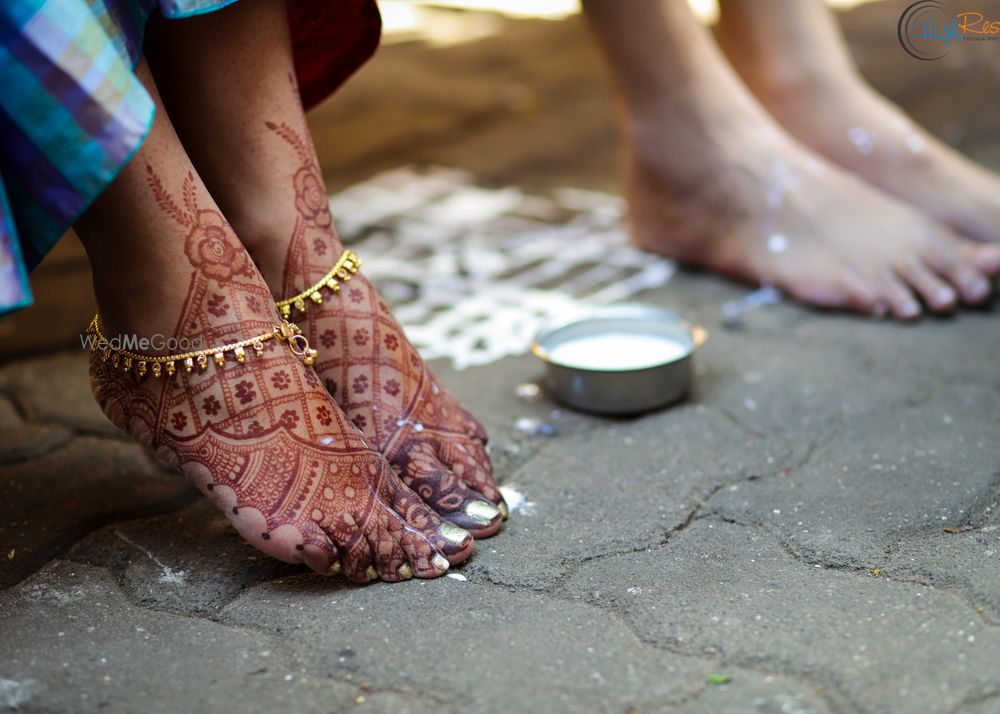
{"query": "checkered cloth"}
(72, 112)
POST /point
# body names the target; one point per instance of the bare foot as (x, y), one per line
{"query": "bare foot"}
(714, 180)
(261, 437)
(375, 374)
(748, 202)
(823, 101)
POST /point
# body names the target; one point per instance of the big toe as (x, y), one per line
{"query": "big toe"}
(452, 542)
(450, 496)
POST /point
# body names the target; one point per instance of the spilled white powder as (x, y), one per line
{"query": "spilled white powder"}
(516, 501)
(168, 574)
(13, 693)
(614, 351)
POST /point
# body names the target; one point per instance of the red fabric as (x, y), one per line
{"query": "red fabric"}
(330, 40)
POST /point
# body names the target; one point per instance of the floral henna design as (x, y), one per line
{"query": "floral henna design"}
(210, 245)
(263, 439)
(378, 378)
(310, 192)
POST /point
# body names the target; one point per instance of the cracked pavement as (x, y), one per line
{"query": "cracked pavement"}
(816, 524)
(814, 530)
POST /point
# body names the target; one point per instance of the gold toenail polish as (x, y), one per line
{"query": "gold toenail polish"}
(482, 512)
(452, 533)
(334, 568)
(504, 511)
(405, 571)
(440, 562)
(371, 573)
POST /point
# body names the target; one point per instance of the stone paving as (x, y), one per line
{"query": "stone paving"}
(814, 530)
(813, 524)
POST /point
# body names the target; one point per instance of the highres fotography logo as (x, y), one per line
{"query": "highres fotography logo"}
(927, 30)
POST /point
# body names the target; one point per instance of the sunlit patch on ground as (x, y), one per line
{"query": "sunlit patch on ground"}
(435, 21)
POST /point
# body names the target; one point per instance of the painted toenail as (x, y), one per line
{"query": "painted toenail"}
(440, 562)
(452, 533)
(910, 309)
(504, 511)
(482, 512)
(405, 571)
(944, 295)
(334, 568)
(371, 573)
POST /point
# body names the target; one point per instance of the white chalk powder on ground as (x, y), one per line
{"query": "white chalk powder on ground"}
(516, 501)
(13, 693)
(474, 273)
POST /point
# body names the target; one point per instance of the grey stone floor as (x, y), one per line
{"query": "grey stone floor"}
(816, 524)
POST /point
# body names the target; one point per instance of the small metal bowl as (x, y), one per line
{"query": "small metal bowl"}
(621, 359)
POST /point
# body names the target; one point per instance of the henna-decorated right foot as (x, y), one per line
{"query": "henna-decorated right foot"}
(371, 369)
(260, 435)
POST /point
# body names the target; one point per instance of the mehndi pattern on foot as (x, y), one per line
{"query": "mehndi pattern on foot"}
(375, 374)
(254, 428)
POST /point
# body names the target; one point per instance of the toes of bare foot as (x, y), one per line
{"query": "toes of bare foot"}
(810, 229)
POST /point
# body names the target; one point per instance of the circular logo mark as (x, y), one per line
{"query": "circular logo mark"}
(924, 30)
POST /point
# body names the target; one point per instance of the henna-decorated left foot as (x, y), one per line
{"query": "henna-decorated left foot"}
(378, 377)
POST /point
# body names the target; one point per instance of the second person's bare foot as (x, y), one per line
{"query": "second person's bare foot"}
(714, 181)
(740, 198)
(792, 57)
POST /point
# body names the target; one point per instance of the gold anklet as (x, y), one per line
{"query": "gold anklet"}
(346, 266)
(168, 365)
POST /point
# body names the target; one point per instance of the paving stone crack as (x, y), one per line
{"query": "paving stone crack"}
(718, 656)
(957, 592)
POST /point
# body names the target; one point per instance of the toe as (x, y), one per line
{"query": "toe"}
(986, 258)
(902, 304)
(861, 294)
(467, 458)
(946, 257)
(318, 552)
(356, 563)
(448, 495)
(936, 293)
(454, 543)
(324, 561)
(423, 559)
(383, 536)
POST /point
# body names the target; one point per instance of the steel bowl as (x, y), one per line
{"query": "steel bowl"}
(593, 364)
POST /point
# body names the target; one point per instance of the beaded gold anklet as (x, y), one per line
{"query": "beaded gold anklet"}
(346, 266)
(169, 365)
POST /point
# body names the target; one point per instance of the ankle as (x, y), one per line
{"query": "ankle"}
(289, 251)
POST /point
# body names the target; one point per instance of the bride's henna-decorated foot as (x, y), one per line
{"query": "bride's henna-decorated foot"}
(376, 375)
(256, 430)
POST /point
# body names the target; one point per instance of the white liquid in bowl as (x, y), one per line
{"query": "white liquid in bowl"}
(616, 351)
